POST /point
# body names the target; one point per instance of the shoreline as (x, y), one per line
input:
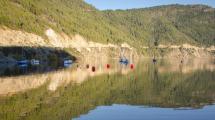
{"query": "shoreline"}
(82, 48)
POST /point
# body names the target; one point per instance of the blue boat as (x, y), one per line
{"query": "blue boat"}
(124, 61)
(22, 62)
(22, 65)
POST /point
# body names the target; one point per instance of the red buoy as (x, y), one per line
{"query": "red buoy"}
(132, 66)
(93, 69)
(108, 66)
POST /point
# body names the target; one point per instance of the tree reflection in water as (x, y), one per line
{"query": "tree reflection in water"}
(75, 91)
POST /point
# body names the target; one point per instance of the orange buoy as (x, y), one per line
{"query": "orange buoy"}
(93, 69)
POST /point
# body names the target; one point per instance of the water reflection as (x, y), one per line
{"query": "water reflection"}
(76, 73)
(25, 69)
(187, 66)
(72, 92)
(149, 113)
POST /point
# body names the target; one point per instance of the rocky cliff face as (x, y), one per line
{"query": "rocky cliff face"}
(62, 41)
(90, 49)
(184, 51)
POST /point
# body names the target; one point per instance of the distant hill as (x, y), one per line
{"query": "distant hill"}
(171, 24)
(175, 24)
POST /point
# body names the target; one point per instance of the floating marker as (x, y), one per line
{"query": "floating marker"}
(87, 66)
(93, 69)
(154, 60)
(132, 66)
(108, 66)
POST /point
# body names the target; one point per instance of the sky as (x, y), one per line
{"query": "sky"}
(128, 4)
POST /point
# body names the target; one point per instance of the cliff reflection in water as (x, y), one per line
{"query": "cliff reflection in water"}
(163, 84)
(74, 74)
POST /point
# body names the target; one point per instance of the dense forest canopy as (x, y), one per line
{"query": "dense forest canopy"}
(170, 24)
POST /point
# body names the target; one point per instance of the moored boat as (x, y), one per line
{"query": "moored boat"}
(35, 62)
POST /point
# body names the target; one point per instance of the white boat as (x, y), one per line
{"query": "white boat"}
(35, 62)
(68, 61)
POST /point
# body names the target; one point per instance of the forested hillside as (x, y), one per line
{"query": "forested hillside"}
(173, 24)
(167, 24)
(69, 16)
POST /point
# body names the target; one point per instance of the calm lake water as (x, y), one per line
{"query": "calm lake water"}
(166, 90)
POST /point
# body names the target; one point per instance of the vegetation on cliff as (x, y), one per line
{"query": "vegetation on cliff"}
(172, 24)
